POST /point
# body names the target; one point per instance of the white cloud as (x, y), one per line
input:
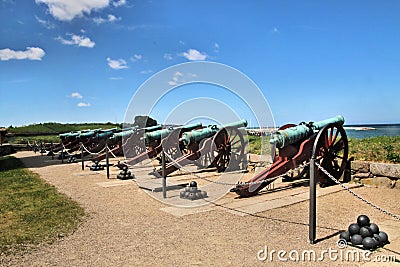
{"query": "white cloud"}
(67, 10)
(31, 53)
(216, 47)
(110, 18)
(76, 95)
(77, 40)
(193, 54)
(117, 63)
(177, 78)
(119, 3)
(146, 71)
(168, 56)
(275, 30)
(182, 42)
(46, 24)
(136, 57)
(83, 104)
(115, 78)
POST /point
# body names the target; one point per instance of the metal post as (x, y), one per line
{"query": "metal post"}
(62, 155)
(83, 161)
(52, 153)
(164, 176)
(107, 163)
(313, 202)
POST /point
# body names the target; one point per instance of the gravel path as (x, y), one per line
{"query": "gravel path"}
(126, 227)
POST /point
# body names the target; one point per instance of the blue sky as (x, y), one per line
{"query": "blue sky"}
(82, 60)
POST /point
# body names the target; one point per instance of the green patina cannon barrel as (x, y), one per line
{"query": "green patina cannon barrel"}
(127, 132)
(105, 134)
(198, 135)
(89, 133)
(291, 135)
(156, 135)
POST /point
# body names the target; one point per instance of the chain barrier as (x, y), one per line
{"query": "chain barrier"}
(232, 184)
(355, 194)
(112, 154)
(91, 153)
(66, 150)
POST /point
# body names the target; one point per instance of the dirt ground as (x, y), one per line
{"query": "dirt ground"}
(126, 227)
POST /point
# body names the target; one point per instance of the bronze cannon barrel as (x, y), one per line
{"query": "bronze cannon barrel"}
(198, 135)
(291, 135)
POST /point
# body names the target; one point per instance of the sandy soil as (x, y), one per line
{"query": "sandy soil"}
(126, 227)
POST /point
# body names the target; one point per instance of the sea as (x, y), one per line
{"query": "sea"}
(372, 130)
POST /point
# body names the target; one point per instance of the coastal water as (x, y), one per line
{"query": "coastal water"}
(365, 131)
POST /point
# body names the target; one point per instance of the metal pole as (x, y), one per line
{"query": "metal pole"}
(164, 176)
(313, 202)
(107, 163)
(83, 161)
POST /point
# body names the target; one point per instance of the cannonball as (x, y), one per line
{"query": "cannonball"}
(354, 228)
(363, 220)
(365, 231)
(374, 228)
(203, 194)
(192, 196)
(193, 184)
(368, 243)
(356, 239)
(125, 168)
(345, 235)
(384, 237)
(377, 239)
(192, 189)
(187, 194)
(187, 188)
(182, 193)
(198, 195)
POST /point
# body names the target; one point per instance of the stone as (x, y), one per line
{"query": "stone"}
(360, 166)
(361, 175)
(379, 182)
(385, 169)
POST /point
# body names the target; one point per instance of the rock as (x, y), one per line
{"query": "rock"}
(385, 169)
(379, 182)
(361, 175)
(360, 166)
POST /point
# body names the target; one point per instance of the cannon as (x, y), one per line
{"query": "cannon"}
(116, 140)
(326, 139)
(222, 147)
(155, 141)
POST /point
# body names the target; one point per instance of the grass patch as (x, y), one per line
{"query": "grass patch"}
(378, 149)
(39, 138)
(31, 211)
(257, 144)
(54, 127)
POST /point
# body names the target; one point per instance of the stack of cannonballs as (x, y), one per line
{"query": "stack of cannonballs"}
(365, 234)
(125, 174)
(63, 155)
(71, 159)
(192, 192)
(96, 166)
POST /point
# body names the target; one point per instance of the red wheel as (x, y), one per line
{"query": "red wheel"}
(229, 149)
(331, 151)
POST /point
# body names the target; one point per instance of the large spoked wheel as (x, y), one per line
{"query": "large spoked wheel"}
(229, 150)
(331, 151)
